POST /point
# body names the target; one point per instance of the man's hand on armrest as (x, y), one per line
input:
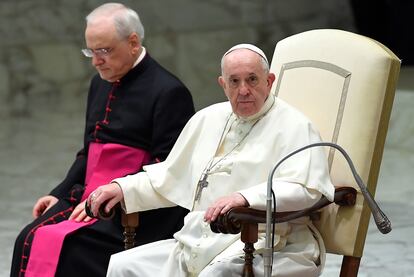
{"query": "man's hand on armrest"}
(223, 204)
(109, 194)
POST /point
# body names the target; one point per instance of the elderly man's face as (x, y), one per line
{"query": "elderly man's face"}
(118, 55)
(245, 82)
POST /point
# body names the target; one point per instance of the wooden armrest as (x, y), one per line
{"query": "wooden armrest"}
(101, 212)
(232, 221)
(129, 221)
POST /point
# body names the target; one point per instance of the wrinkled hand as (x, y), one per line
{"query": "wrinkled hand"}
(43, 204)
(79, 213)
(110, 193)
(223, 204)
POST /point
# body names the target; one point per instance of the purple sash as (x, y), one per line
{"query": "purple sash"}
(105, 163)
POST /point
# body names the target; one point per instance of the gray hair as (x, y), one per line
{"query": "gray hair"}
(126, 20)
(263, 61)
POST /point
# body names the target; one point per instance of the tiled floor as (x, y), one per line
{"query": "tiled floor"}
(36, 152)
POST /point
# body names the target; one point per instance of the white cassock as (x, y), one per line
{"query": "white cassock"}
(240, 154)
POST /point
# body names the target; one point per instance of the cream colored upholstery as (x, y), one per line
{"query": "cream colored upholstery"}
(345, 83)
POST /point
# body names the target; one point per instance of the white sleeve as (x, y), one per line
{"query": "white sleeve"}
(139, 194)
(289, 196)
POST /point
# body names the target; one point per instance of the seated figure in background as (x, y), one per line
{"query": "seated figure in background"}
(135, 111)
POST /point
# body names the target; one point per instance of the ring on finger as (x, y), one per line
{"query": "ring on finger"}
(93, 197)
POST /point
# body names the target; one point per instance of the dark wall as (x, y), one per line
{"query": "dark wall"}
(389, 21)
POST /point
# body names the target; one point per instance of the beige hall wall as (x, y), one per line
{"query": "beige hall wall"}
(41, 65)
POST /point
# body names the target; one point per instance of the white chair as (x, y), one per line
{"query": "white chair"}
(345, 83)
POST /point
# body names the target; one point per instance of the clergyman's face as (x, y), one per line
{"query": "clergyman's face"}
(245, 81)
(121, 52)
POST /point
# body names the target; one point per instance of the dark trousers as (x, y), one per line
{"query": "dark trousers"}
(87, 251)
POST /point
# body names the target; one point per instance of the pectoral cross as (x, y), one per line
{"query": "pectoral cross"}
(200, 186)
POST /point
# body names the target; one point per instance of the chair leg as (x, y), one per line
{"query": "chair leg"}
(130, 223)
(248, 260)
(350, 266)
(129, 238)
(249, 236)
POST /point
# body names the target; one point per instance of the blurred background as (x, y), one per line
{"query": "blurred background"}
(44, 80)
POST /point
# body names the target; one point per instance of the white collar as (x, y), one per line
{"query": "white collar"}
(140, 57)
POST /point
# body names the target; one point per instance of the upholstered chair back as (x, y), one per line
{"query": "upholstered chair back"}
(345, 83)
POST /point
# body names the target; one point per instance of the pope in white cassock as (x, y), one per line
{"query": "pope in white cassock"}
(221, 160)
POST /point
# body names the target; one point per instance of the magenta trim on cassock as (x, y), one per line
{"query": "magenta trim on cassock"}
(105, 163)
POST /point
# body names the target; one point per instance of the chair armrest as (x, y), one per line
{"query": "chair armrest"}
(232, 221)
(101, 212)
(129, 221)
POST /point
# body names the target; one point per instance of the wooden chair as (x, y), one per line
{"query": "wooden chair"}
(129, 221)
(345, 83)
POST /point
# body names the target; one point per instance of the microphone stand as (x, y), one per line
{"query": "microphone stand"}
(381, 220)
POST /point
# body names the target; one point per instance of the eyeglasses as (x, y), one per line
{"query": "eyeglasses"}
(101, 52)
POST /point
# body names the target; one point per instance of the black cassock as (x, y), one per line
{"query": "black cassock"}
(146, 109)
